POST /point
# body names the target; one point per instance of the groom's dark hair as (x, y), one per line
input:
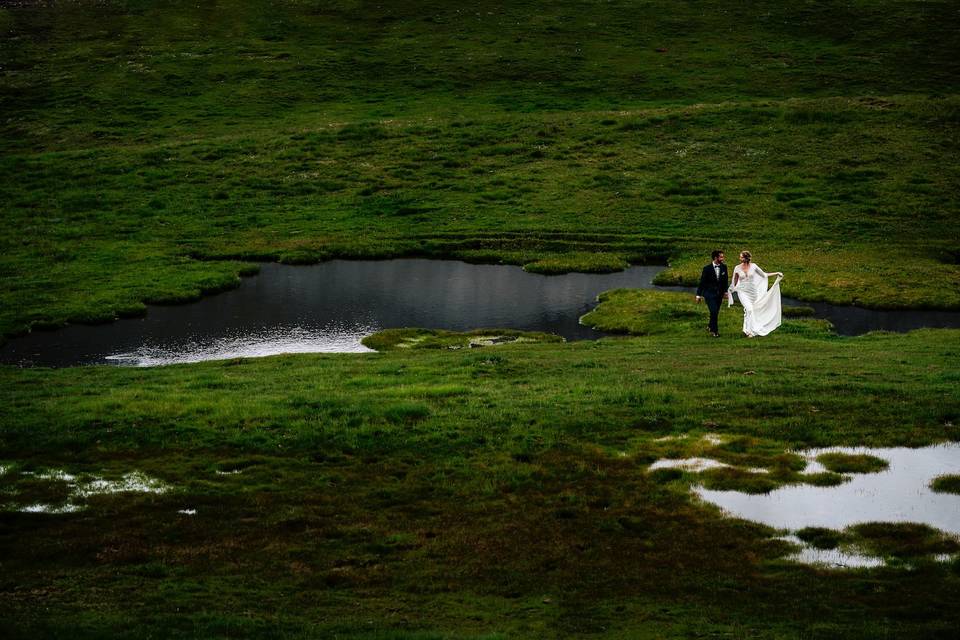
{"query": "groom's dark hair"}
(715, 254)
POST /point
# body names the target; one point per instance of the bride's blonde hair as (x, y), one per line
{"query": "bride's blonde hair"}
(746, 254)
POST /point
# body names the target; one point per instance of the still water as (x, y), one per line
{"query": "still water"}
(329, 307)
(901, 493)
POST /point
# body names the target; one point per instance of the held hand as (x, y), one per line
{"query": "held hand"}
(698, 299)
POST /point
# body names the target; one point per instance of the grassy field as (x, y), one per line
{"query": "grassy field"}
(500, 490)
(141, 140)
(153, 151)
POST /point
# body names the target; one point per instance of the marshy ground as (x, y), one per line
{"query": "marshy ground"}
(149, 149)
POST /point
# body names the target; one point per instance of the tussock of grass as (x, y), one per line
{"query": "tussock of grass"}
(946, 484)
(852, 463)
(732, 479)
(828, 479)
(820, 538)
(902, 540)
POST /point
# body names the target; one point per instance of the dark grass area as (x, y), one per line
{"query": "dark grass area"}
(468, 492)
(946, 484)
(92, 74)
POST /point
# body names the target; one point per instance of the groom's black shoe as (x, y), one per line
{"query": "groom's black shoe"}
(714, 334)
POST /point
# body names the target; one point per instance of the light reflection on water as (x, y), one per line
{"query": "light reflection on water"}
(901, 493)
(831, 557)
(327, 339)
(329, 307)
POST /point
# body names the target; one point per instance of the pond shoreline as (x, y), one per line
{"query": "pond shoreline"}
(451, 295)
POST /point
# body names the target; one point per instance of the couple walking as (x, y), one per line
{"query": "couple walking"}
(761, 306)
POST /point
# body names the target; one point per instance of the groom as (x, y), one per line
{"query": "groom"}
(713, 288)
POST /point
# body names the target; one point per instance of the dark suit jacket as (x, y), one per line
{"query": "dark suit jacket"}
(710, 284)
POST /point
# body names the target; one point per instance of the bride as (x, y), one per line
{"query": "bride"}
(761, 306)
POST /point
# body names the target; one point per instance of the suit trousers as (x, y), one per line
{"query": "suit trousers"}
(713, 304)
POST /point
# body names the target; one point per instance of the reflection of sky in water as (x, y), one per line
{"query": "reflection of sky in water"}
(326, 307)
(831, 557)
(901, 493)
(250, 345)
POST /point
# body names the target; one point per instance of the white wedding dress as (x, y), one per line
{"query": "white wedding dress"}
(761, 306)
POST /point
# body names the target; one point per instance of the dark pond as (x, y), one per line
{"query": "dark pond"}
(329, 307)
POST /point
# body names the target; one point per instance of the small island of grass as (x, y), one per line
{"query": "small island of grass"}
(852, 463)
(946, 484)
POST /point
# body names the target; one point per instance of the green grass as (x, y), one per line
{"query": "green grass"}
(850, 463)
(651, 312)
(392, 339)
(142, 140)
(820, 538)
(498, 490)
(152, 152)
(946, 484)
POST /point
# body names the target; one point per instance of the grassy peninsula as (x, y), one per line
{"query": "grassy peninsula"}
(154, 151)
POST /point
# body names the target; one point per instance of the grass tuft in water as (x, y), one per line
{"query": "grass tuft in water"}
(852, 463)
(820, 537)
(733, 479)
(946, 484)
(901, 539)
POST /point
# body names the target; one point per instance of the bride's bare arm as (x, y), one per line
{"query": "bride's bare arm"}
(765, 274)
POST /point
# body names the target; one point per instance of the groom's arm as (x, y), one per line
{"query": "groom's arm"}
(703, 283)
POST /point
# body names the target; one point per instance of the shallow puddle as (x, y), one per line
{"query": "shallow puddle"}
(834, 558)
(688, 464)
(901, 493)
(82, 487)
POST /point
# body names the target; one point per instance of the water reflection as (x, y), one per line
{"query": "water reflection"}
(329, 307)
(901, 493)
(834, 558)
